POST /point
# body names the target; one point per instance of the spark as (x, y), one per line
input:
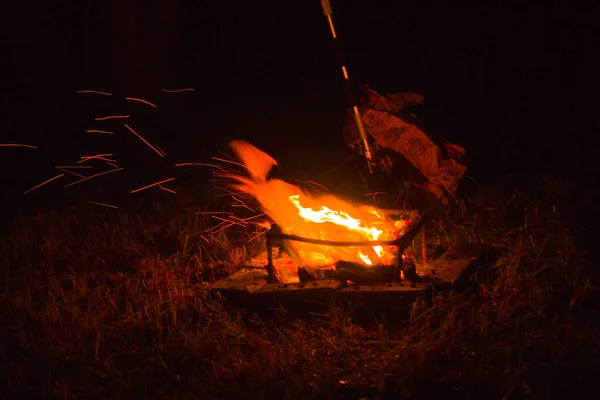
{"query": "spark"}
(102, 204)
(154, 184)
(227, 192)
(43, 183)
(140, 100)
(224, 224)
(71, 172)
(99, 131)
(242, 204)
(226, 220)
(93, 176)
(192, 163)
(202, 236)
(229, 161)
(73, 166)
(167, 189)
(312, 183)
(144, 140)
(259, 234)
(178, 90)
(256, 216)
(317, 184)
(304, 183)
(111, 117)
(96, 157)
(218, 228)
(373, 196)
(17, 145)
(94, 91)
(239, 219)
(111, 164)
(223, 172)
(226, 155)
(223, 221)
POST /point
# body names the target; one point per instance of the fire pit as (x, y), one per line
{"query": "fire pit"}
(343, 270)
(321, 249)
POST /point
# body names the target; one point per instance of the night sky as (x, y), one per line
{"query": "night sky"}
(514, 85)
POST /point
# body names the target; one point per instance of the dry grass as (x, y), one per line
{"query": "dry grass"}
(117, 305)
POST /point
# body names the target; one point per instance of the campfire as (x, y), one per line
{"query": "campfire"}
(321, 236)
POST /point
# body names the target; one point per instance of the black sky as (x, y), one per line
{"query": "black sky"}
(514, 85)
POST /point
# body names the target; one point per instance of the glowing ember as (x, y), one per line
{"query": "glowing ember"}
(324, 217)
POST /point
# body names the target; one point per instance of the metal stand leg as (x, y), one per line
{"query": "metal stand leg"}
(424, 240)
(397, 268)
(270, 268)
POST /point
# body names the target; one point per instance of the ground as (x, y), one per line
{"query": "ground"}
(104, 303)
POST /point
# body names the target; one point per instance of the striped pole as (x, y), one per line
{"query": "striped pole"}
(349, 88)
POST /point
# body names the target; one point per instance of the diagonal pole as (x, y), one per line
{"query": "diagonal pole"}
(349, 88)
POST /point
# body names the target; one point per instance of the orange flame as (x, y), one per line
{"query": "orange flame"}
(323, 217)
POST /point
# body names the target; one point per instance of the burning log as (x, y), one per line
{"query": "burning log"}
(360, 274)
(347, 270)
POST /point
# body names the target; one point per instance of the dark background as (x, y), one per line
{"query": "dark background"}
(515, 85)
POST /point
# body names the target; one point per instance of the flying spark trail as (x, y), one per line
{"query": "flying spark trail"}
(259, 234)
(221, 226)
(154, 184)
(111, 164)
(107, 160)
(224, 219)
(144, 140)
(242, 204)
(43, 183)
(99, 131)
(318, 184)
(216, 227)
(100, 157)
(178, 90)
(373, 196)
(253, 217)
(228, 161)
(94, 91)
(167, 189)
(102, 204)
(140, 100)
(236, 205)
(227, 192)
(227, 155)
(71, 172)
(94, 176)
(205, 239)
(17, 145)
(192, 163)
(111, 117)
(241, 220)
